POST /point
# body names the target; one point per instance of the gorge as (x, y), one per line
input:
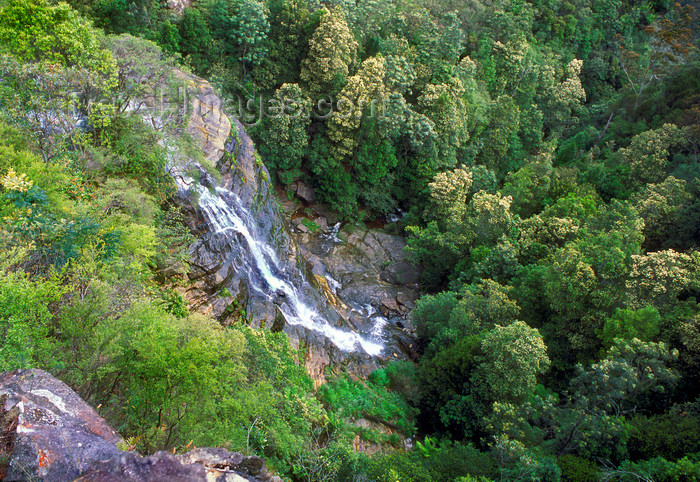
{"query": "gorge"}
(246, 261)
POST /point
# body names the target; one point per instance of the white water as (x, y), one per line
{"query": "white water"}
(226, 214)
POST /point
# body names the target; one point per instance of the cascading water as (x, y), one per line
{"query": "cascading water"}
(235, 229)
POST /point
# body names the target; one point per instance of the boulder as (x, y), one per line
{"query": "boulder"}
(401, 273)
(305, 193)
(50, 433)
(388, 306)
(55, 435)
(404, 300)
(322, 223)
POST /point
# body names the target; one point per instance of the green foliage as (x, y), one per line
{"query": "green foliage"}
(512, 358)
(38, 31)
(670, 435)
(642, 324)
(134, 151)
(174, 303)
(286, 139)
(546, 155)
(250, 28)
(355, 400)
(25, 315)
(577, 469)
(658, 468)
(328, 63)
(447, 461)
(631, 370)
(518, 463)
(447, 399)
(195, 40)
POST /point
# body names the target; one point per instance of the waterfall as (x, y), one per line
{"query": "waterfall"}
(235, 229)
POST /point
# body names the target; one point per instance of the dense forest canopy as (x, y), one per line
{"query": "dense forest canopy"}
(543, 154)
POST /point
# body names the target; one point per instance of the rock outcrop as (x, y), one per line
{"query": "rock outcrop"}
(49, 433)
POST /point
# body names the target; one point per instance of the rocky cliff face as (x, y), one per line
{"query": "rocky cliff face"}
(49, 433)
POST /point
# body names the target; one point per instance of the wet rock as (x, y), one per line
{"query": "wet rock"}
(222, 258)
(51, 434)
(405, 300)
(389, 306)
(371, 267)
(317, 266)
(320, 355)
(278, 323)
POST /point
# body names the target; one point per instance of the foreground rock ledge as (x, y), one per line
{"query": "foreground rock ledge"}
(48, 432)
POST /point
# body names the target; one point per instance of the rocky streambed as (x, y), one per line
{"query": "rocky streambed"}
(342, 294)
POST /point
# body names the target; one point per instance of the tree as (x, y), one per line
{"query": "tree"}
(374, 167)
(504, 117)
(661, 206)
(169, 37)
(626, 324)
(448, 197)
(444, 319)
(25, 314)
(670, 43)
(285, 140)
(661, 277)
(558, 426)
(569, 287)
(196, 41)
(362, 96)
(332, 50)
(45, 101)
(483, 306)
(433, 312)
(250, 27)
(142, 69)
(36, 31)
(512, 65)
(647, 154)
(287, 44)
(529, 185)
(632, 369)
(489, 217)
(445, 105)
(448, 397)
(608, 240)
(437, 251)
(560, 96)
(512, 358)
(333, 180)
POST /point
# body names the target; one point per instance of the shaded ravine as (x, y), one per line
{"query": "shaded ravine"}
(245, 267)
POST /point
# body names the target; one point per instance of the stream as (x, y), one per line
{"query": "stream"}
(234, 235)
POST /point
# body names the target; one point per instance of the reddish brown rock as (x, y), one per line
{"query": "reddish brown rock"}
(49, 433)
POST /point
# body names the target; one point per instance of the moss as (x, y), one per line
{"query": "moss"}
(313, 227)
